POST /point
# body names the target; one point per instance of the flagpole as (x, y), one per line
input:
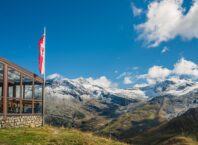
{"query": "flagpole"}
(45, 51)
(44, 77)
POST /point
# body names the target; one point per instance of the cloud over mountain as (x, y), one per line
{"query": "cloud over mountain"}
(180, 69)
(157, 73)
(127, 80)
(102, 81)
(185, 67)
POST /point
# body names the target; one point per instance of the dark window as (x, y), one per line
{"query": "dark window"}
(27, 85)
(38, 107)
(13, 99)
(27, 95)
(27, 107)
(38, 91)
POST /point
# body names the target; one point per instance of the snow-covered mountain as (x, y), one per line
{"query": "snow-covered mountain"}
(102, 103)
(84, 89)
(172, 95)
(174, 86)
(82, 101)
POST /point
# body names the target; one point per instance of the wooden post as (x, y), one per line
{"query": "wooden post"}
(5, 89)
(33, 96)
(23, 98)
(21, 93)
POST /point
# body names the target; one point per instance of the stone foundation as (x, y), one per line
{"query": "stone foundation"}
(20, 121)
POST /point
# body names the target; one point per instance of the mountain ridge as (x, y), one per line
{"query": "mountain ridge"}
(112, 111)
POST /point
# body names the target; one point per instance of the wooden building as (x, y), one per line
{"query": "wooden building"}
(21, 96)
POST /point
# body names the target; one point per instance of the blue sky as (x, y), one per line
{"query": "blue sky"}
(92, 38)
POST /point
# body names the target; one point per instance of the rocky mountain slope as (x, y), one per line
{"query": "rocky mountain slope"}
(176, 96)
(159, 108)
(79, 102)
(119, 113)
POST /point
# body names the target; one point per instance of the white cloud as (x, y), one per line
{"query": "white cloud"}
(185, 67)
(182, 68)
(140, 85)
(142, 76)
(124, 74)
(136, 11)
(55, 76)
(127, 80)
(157, 73)
(165, 49)
(166, 20)
(102, 81)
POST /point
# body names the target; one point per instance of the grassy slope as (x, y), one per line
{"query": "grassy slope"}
(180, 140)
(135, 122)
(51, 136)
(182, 130)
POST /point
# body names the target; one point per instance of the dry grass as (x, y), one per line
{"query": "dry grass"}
(51, 136)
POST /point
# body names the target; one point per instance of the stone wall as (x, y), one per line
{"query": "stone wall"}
(20, 121)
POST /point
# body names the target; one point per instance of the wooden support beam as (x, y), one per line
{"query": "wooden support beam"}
(5, 89)
(24, 97)
(21, 93)
(33, 96)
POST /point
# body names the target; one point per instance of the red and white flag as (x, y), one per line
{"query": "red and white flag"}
(41, 46)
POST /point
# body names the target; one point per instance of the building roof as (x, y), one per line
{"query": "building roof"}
(21, 70)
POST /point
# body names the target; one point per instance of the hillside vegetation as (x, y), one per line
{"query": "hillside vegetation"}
(182, 130)
(133, 123)
(51, 136)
